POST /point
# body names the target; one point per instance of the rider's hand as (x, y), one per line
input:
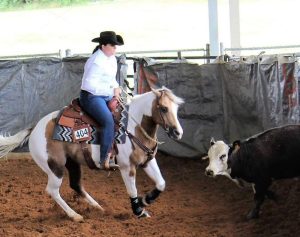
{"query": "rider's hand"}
(117, 93)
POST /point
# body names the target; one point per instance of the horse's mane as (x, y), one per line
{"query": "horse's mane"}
(168, 92)
(172, 96)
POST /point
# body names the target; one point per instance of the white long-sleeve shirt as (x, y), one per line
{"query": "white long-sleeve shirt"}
(99, 77)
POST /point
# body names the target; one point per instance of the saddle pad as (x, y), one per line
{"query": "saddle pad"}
(65, 134)
(120, 136)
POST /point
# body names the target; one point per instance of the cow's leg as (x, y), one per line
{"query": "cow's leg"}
(153, 171)
(129, 180)
(272, 196)
(74, 178)
(259, 197)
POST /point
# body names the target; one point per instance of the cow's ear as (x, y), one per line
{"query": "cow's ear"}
(236, 145)
(212, 141)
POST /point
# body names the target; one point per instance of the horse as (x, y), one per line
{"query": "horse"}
(146, 112)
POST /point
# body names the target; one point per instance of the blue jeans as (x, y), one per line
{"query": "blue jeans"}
(96, 107)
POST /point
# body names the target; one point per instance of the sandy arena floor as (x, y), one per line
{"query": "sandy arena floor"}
(192, 204)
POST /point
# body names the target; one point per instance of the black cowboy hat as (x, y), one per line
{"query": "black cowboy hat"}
(109, 37)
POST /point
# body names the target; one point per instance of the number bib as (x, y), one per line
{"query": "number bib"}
(82, 133)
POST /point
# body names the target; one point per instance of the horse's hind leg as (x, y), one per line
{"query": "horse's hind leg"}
(52, 189)
(74, 177)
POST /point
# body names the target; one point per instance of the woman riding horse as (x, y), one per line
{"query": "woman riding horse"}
(98, 87)
(145, 113)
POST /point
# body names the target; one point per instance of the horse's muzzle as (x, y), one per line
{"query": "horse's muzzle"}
(174, 133)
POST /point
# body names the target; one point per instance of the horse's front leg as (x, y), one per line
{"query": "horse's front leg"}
(153, 171)
(130, 183)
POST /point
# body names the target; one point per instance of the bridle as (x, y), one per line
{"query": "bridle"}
(162, 110)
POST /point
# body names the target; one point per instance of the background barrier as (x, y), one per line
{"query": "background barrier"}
(225, 100)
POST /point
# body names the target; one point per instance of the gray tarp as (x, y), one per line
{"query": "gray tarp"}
(227, 101)
(32, 88)
(223, 100)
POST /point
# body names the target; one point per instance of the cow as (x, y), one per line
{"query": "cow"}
(270, 155)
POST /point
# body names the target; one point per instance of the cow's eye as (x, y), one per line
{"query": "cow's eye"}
(222, 157)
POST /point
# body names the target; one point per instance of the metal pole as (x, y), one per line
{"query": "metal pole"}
(213, 27)
(68, 53)
(179, 55)
(234, 11)
(221, 48)
(207, 50)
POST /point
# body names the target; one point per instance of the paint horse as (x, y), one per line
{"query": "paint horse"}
(145, 113)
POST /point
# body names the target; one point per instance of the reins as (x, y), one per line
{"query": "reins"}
(142, 129)
(149, 152)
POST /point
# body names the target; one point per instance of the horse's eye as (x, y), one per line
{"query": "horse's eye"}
(222, 157)
(164, 109)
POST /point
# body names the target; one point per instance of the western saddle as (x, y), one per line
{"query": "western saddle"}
(74, 117)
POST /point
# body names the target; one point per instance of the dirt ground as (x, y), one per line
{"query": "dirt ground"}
(192, 204)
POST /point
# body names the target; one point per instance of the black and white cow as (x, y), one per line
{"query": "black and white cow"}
(273, 154)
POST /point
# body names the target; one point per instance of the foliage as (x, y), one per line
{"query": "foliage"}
(29, 4)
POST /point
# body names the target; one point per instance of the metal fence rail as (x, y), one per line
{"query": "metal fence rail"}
(200, 55)
(223, 50)
(68, 53)
(58, 55)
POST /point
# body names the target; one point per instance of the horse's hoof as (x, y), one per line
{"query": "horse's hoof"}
(100, 208)
(272, 196)
(142, 202)
(78, 218)
(252, 215)
(144, 214)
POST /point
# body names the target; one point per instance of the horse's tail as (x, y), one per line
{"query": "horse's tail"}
(9, 143)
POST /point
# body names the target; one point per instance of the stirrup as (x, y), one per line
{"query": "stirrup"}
(109, 165)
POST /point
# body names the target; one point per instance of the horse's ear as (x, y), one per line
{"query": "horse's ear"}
(212, 141)
(155, 91)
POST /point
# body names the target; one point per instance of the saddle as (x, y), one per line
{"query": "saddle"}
(77, 121)
(80, 125)
(73, 114)
(75, 118)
